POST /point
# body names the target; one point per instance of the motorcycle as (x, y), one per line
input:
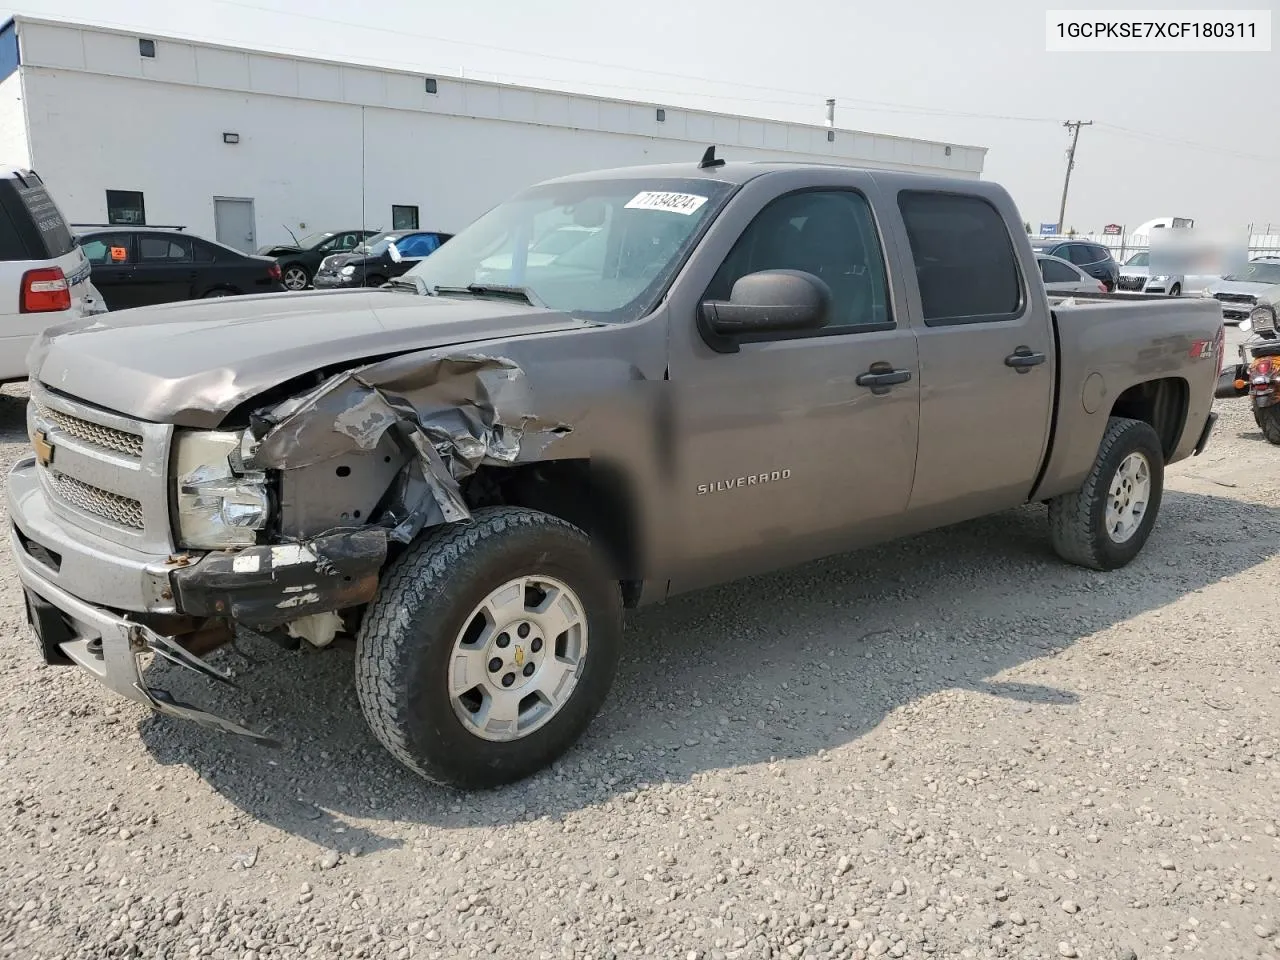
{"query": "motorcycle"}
(1257, 375)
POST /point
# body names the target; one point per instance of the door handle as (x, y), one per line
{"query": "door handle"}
(1023, 359)
(881, 377)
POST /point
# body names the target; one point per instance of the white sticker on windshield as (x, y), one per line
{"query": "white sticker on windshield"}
(684, 203)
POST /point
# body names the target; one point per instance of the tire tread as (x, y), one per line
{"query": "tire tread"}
(1071, 525)
(383, 644)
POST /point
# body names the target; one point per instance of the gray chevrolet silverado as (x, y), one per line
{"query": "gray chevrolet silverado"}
(475, 469)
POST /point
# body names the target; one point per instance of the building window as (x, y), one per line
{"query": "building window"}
(662, 115)
(431, 85)
(125, 206)
(404, 218)
(147, 48)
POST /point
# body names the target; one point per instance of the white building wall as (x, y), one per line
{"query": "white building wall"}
(322, 143)
(14, 149)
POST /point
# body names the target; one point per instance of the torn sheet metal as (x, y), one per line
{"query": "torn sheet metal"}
(266, 587)
(453, 414)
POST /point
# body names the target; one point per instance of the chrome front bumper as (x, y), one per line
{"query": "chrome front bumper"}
(67, 627)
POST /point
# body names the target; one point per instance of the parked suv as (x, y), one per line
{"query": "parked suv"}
(142, 266)
(44, 276)
(1093, 258)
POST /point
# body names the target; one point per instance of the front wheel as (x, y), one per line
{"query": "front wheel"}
(1105, 523)
(1268, 420)
(375, 281)
(489, 648)
(1175, 290)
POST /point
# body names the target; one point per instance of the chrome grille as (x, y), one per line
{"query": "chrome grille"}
(95, 434)
(1236, 298)
(113, 507)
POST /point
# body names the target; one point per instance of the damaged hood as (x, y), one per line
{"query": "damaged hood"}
(192, 363)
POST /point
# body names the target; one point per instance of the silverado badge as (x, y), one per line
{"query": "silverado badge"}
(43, 448)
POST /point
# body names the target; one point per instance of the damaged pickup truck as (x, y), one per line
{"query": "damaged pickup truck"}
(476, 468)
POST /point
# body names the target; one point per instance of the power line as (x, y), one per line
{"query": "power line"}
(1175, 141)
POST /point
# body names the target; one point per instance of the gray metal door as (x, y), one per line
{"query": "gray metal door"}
(234, 222)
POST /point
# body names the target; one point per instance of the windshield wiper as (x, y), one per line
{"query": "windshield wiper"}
(408, 283)
(504, 291)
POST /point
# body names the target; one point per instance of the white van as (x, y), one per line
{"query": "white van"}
(44, 275)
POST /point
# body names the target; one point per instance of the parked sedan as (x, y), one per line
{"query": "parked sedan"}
(300, 261)
(140, 266)
(1093, 258)
(1062, 277)
(379, 259)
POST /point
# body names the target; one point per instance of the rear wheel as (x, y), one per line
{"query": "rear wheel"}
(1105, 523)
(219, 292)
(489, 648)
(1268, 420)
(294, 276)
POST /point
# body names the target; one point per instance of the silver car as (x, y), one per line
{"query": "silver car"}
(1239, 292)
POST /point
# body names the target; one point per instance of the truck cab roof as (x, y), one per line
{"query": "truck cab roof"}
(743, 171)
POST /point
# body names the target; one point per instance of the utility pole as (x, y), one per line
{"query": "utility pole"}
(1074, 126)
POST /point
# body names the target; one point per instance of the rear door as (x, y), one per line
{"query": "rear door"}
(166, 269)
(986, 356)
(783, 455)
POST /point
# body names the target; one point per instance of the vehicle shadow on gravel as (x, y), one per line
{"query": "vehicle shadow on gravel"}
(773, 667)
(13, 414)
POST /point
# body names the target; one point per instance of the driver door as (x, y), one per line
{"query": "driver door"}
(783, 456)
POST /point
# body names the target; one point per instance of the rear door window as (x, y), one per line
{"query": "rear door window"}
(161, 249)
(1079, 254)
(1054, 272)
(11, 246)
(965, 263)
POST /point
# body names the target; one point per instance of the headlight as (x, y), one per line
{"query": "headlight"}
(347, 271)
(1158, 280)
(1206, 292)
(220, 501)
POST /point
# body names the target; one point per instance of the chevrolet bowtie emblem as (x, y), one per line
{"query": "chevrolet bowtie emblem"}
(43, 448)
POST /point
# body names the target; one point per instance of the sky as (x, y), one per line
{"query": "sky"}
(1173, 134)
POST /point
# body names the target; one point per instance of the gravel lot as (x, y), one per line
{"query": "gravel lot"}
(952, 746)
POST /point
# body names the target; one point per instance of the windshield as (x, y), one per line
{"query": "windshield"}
(311, 239)
(1139, 260)
(375, 246)
(631, 237)
(1257, 273)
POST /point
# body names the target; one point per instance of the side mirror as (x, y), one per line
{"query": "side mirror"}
(394, 252)
(770, 301)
